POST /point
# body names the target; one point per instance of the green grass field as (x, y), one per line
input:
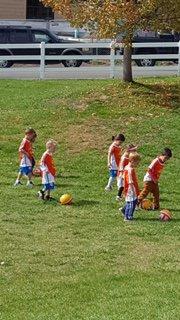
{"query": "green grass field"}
(83, 261)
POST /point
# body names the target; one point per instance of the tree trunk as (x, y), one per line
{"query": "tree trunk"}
(127, 63)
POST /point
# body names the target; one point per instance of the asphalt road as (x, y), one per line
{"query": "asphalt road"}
(84, 72)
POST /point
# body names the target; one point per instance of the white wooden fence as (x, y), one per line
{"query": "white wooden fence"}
(110, 70)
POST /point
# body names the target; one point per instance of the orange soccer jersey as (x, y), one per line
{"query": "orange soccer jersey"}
(123, 163)
(115, 152)
(26, 145)
(47, 160)
(130, 180)
(154, 170)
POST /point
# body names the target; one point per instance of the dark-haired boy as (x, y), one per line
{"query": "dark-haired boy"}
(152, 176)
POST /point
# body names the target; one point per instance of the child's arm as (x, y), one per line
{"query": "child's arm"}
(109, 158)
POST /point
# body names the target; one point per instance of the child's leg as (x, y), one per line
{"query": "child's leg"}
(19, 176)
(113, 175)
(120, 185)
(18, 182)
(29, 177)
(120, 191)
(129, 209)
(155, 192)
(145, 191)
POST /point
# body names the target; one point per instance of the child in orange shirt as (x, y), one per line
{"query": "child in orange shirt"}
(123, 163)
(152, 177)
(114, 157)
(131, 188)
(26, 156)
(48, 170)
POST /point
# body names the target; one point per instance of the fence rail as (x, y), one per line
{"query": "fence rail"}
(113, 55)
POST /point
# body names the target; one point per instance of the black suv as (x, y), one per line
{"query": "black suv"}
(149, 38)
(24, 35)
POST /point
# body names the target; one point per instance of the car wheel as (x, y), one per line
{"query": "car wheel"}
(5, 64)
(72, 63)
(146, 62)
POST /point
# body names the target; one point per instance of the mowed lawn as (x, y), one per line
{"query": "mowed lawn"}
(83, 261)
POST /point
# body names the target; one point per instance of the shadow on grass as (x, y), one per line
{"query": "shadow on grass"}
(68, 177)
(84, 203)
(170, 93)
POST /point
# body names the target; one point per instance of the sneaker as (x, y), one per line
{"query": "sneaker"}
(128, 220)
(41, 194)
(49, 198)
(118, 198)
(108, 188)
(17, 183)
(30, 184)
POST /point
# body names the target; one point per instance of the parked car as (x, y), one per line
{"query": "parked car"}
(26, 35)
(149, 37)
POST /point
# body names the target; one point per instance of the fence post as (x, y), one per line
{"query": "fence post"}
(179, 59)
(42, 61)
(112, 64)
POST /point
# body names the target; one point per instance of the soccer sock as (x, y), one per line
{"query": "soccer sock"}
(110, 182)
(120, 191)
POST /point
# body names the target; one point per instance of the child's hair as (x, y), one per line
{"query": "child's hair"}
(131, 148)
(167, 152)
(119, 137)
(30, 131)
(50, 142)
(134, 156)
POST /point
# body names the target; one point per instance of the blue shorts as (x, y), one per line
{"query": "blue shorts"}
(113, 173)
(48, 186)
(25, 170)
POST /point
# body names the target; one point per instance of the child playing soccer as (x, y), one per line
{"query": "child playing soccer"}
(131, 188)
(152, 177)
(123, 163)
(114, 156)
(26, 157)
(48, 170)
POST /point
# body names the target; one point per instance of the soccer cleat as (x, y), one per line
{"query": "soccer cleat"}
(108, 188)
(118, 198)
(17, 183)
(128, 220)
(41, 194)
(30, 184)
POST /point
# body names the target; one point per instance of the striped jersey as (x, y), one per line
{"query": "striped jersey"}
(154, 170)
(115, 156)
(26, 159)
(131, 188)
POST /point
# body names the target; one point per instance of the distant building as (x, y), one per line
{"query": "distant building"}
(25, 9)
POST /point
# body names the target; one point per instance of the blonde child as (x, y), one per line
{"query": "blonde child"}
(114, 157)
(123, 163)
(152, 176)
(131, 188)
(26, 156)
(48, 170)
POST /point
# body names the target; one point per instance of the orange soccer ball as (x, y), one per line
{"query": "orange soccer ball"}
(66, 199)
(146, 204)
(165, 215)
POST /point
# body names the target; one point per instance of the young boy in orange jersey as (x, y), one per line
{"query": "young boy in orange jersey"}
(26, 155)
(123, 163)
(114, 157)
(131, 188)
(48, 170)
(152, 177)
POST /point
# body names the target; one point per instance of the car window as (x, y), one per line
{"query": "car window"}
(40, 36)
(18, 36)
(3, 36)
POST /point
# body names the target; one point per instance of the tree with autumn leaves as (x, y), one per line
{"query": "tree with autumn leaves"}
(120, 17)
